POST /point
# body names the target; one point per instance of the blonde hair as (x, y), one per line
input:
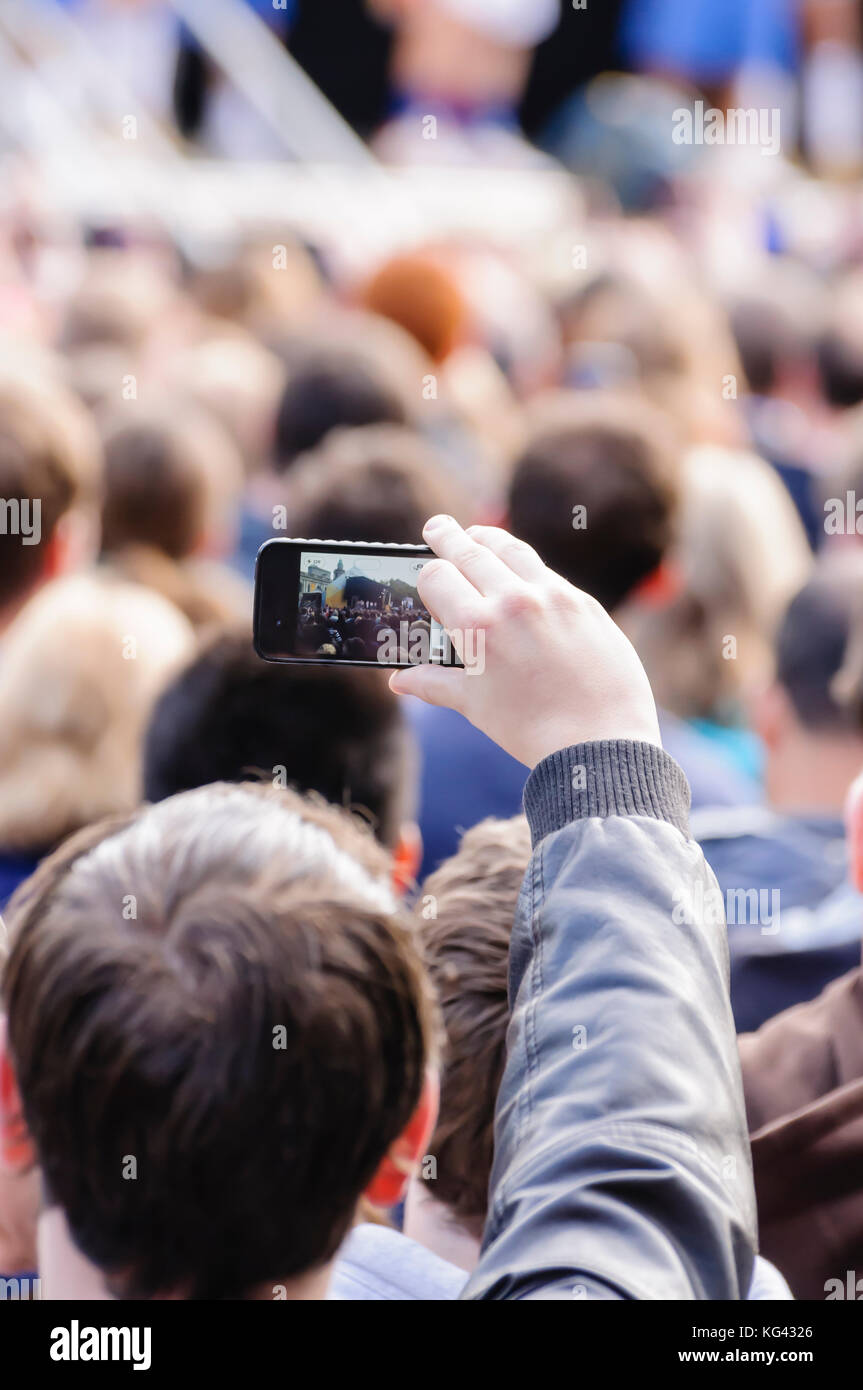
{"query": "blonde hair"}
(742, 555)
(82, 665)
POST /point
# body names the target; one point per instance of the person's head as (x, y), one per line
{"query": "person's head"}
(595, 492)
(840, 345)
(241, 289)
(82, 664)
(465, 911)
(122, 299)
(775, 324)
(229, 716)
(739, 557)
(421, 293)
(239, 381)
(811, 716)
(615, 331)
(378, 483)
(50, 469)
(221, 1034)
(644, 319)
(467, 52)
(331, 388)
(173, 479)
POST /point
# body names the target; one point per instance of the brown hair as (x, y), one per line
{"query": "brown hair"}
(466, 909)
(219, 990)
(373, 483)
(171, 472)
(49, 454)
(616, 457)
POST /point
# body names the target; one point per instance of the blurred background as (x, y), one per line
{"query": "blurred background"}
(322, 267)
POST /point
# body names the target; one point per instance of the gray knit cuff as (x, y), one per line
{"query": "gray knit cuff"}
(613, 777)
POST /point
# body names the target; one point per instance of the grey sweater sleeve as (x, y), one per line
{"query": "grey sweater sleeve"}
(621, 1153)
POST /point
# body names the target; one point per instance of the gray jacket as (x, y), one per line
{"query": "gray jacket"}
(622, 1164)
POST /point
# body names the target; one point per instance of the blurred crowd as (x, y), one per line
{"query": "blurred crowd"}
(663, 396)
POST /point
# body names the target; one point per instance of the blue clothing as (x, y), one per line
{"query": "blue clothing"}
(14, 868)
(803, 929)
(803, 857)
(376, 1263)
(738, 747)
(814, 947)
(714, 779)
(465, 777)
(708, 41)
(254, 529)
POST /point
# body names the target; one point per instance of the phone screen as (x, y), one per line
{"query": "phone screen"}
(345, 602)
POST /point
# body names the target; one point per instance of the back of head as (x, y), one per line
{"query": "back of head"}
(331, 388)
(229, 716)
(380, 483)
(818, 646)
(121, 300)
(172, 480)
(740, 556)
(595, 492)
(840, 348)
(614, 310)
(766, 336)
(467, 908)
(775, 316)
(219, 1000)
(239, 381)
(82, 664)
(50, 464)
(421, 294)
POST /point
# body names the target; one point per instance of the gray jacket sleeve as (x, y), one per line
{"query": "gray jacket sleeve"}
(622, 1164)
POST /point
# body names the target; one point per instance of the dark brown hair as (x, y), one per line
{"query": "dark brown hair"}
(223, 990)
(615, 457)
(164, 470)
(374, 483)
(228, 716)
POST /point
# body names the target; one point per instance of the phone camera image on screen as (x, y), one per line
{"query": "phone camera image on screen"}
(364, 608)
(347, 603)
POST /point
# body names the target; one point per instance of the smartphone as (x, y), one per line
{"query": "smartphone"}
(345, 601)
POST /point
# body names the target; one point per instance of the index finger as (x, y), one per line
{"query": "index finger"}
(516, 554)
(479, 564)
(448, 596)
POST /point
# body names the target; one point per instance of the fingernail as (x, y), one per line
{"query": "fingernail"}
(434, 523)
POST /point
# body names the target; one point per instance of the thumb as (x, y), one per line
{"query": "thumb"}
(437, 685)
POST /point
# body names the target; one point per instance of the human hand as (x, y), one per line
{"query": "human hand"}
(548, 666)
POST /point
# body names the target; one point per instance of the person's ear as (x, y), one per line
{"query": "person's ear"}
(16, 1148)
(53, 557)
(659, 588)
(772, 715)
(407, 857)
(389, 1182)
(74, 544)
(854, 831)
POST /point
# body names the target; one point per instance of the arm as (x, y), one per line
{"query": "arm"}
(621, 1156)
